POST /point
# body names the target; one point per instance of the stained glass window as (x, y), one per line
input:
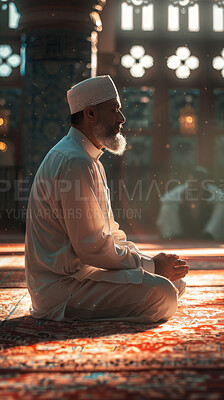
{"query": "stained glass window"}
(139, 152)
(9, 109)
(183, 155)
(138, 105)
(130, 9)
(10, 10)
(178, 100)
(218, 16)
(179, 9)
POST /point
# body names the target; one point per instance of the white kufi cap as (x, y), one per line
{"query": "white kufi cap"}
(90, 92)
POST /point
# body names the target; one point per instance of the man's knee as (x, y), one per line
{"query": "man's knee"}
(170, 295)
(163, 298)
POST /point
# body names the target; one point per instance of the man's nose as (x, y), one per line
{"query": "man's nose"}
(122, 118)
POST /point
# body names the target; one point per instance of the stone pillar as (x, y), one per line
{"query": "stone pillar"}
(57, 37)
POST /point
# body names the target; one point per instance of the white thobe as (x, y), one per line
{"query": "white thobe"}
(169, 222)
(71, 233)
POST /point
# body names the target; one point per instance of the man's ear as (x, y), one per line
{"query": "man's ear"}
(90, 113)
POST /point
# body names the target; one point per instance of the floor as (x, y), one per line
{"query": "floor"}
(180, 359)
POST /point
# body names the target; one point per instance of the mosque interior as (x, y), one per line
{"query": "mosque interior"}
(167, 60)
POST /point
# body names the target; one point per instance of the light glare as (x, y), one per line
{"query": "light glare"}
(218, 63)
(137, 71)
(5, 70)
(173, 62)
(14, 16)
(218, 25)
(148, 18)
(137, 52)
(126, 17)
(137, 2)
(5, 50)
(183, 72)
(193, 18)
(173, 18)
(127, 61)
(14, 60)
(183, 53)
(147, 61)
(3, 147)
(184, 3)
(192, 62)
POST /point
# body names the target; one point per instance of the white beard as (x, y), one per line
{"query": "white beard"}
(115, 144)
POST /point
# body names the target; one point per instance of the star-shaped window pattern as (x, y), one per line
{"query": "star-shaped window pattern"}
(137, 61)
(218, 63)
(8, 60)
(183, 62)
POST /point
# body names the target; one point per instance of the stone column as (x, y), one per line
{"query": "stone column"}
(57, 37)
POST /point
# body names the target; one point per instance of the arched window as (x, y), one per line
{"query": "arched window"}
(218, 16)
(182, 9)
(12, 14)
(130, 11)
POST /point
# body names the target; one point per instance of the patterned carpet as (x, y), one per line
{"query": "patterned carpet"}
(180, 359)
(156, 384)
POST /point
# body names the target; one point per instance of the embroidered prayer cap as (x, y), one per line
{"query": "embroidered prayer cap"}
(90, 92)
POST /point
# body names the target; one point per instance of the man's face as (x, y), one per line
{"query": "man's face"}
(108, 128)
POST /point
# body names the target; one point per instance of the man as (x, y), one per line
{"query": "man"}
(193, 209)
(79, 264)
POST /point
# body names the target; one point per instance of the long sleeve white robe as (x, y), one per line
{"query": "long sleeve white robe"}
(71, 230)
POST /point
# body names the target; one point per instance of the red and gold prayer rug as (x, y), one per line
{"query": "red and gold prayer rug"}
(193, 338)
(180, 359)
(178, 384)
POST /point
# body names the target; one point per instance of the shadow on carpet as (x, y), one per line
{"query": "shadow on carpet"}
(193, 338)
(180, 359)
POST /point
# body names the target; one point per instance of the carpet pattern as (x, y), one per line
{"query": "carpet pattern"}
(180, 359)
(144, 385)
(193, 338)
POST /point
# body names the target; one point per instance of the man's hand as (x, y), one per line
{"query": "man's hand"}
(170, 266)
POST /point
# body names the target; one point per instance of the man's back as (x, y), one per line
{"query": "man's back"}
(50, 257)
(70, 228)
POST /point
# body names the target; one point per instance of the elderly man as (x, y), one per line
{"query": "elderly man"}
(79, 264)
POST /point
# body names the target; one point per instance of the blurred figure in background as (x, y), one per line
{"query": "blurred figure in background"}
(193, 210)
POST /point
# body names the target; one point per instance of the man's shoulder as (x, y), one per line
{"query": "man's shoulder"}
(68, 148)
(65, 153)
